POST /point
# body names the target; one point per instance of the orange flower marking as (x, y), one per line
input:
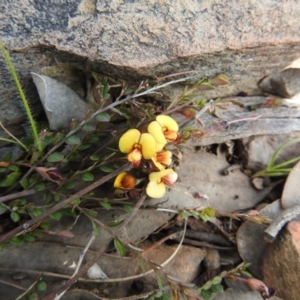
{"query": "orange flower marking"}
(162, 159)
(124, 181)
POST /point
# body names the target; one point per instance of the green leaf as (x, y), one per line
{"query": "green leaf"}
(103, 117)
(106, 169)
(15, 216)
(58, 138)
(88, 127)
(16, 240)
(128, 208)
(84, 146)
(95, 228)
(87, 176)
(105, 204)
(73, 140)
(207, 285)
(39, 186)
(142, 264)
(37, 212)
(14, 168)
(38, 234)
(56, 215)
(76, 201)
(91, 213)
(2, 183)
(203, 216)
(115, 223)
(217, 280)
(7, 156)
(69, 185)
(94, 157)
(3, 246)
(24, 183)
(93, 139)
(73, 156)
(35, 156)
(32, 296)
(45, 225)
(29, 237)
(41, 286)
(184, 215)
(22, 210)
(246, 273)
(48, 197)
(206, 294)
(55, 157)
(3, 209)
(160, 281)
(71, 213)
(120, 247)
(217, 288)
(12, 178)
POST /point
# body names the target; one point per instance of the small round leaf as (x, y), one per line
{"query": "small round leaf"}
(103, 117)
(73, 140)
(56, 215)
(41, 286)
(87, 176)
(15, 216)
(55, 157)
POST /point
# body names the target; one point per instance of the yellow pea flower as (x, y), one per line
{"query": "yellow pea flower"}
(124, 181)
(156, 187)
(164, 129)
(137, 145)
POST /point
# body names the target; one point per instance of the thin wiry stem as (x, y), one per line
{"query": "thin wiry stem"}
(16, 141)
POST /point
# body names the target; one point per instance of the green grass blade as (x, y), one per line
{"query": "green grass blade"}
(275, 155)
(22, 95)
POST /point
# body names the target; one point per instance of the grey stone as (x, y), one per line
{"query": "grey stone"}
(138, 39)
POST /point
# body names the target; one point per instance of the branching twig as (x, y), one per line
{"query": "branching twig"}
(17, 195)
(61, 205)
(13, 284)
(85, 268)
(30, 288)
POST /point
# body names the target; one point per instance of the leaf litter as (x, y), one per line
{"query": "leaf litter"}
(202, 184)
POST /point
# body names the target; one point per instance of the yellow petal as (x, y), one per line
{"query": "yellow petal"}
(155, 190)
(148, 144)
(118, 180)
(167, 122)
(128, 140)
(156, 131)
